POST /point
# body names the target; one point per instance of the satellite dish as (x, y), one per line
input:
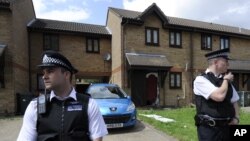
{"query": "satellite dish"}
(106, 57)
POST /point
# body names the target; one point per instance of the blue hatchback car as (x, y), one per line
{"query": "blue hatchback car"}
(116, 106)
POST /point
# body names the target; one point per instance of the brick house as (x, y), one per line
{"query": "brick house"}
(157, 57)
(153, 57)
(14, 61)
(88, 47)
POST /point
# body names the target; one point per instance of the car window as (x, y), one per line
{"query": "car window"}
(102, 92)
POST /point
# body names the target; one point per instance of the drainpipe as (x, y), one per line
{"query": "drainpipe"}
(191, 62)
(178, 97)
(123, 58)
(29, 61)
(164, 98)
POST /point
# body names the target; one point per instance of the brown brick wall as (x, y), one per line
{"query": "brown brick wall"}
(135, 42)
(114, 25)
(23, 13)
(6, 93)
(14, 34)
(74, 48)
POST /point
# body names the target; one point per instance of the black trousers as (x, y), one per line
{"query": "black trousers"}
(216, 133)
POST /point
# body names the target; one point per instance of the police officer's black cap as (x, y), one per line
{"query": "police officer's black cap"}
(218, 53)
(55, 59)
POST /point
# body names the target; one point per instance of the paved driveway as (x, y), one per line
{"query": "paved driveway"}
(141, 132)
(9, 129)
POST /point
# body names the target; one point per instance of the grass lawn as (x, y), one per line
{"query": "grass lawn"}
(183, 128)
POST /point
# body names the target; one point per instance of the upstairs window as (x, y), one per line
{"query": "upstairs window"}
(2, 85)
(206, 42)
(224, 42)
(175, 80)
(51, 42)
(92, 45)
(175, 39)
(152, 36)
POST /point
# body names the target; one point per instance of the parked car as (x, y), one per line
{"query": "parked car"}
(116, 106)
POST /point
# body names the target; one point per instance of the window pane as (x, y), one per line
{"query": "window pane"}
(203, 40)
(178, 39)
(172, 80)
(96, 49)
(148, 36)
(2, 71)
(226, 43)
(46, 42)
(178, 80)
(54, 42)
(221, 43)
(172, 38)
(51, 42)
(155, 36)
(208, 42)
(89, 45)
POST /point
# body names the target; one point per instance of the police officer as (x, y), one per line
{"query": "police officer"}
(216, 99)
(67, 115)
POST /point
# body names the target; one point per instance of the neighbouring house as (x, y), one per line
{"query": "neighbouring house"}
(152, 56)
(88, 47)
(155, 58)
(14, 59)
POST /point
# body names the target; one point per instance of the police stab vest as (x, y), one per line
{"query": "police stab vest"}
(212, 108)
(65, 120)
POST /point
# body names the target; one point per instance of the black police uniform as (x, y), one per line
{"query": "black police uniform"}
(212, 117)
(65, 120)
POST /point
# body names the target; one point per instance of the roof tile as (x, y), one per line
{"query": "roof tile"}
(45, 24)
(186, 22)
(152, 60)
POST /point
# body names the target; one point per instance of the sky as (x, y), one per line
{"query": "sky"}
(227, 12)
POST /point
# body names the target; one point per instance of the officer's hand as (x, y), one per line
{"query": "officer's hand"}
(229, 76)
(234, 121)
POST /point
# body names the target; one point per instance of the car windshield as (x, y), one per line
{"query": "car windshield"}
(103, 92)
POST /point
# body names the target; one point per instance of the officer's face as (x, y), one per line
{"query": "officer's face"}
(54, 78)
(222, 65)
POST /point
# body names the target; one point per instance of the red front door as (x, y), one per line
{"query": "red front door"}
(151, 89)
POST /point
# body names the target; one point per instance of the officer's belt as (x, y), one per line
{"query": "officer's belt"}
(211, 121)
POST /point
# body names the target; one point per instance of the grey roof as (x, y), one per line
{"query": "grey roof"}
(45, 24)
(147, 60)
(5, 1)
(2, 48)
(239, 65)
(187, 23)
(5, 4)
(126, 13)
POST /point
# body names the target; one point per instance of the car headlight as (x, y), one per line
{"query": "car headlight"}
(131, 107)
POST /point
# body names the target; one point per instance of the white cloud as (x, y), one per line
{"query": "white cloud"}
(229, 12)
(103, 0)
(239, 9)
(169, 7)
(57, 10)
(72, 14)
(39, 5)
(59, 1)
